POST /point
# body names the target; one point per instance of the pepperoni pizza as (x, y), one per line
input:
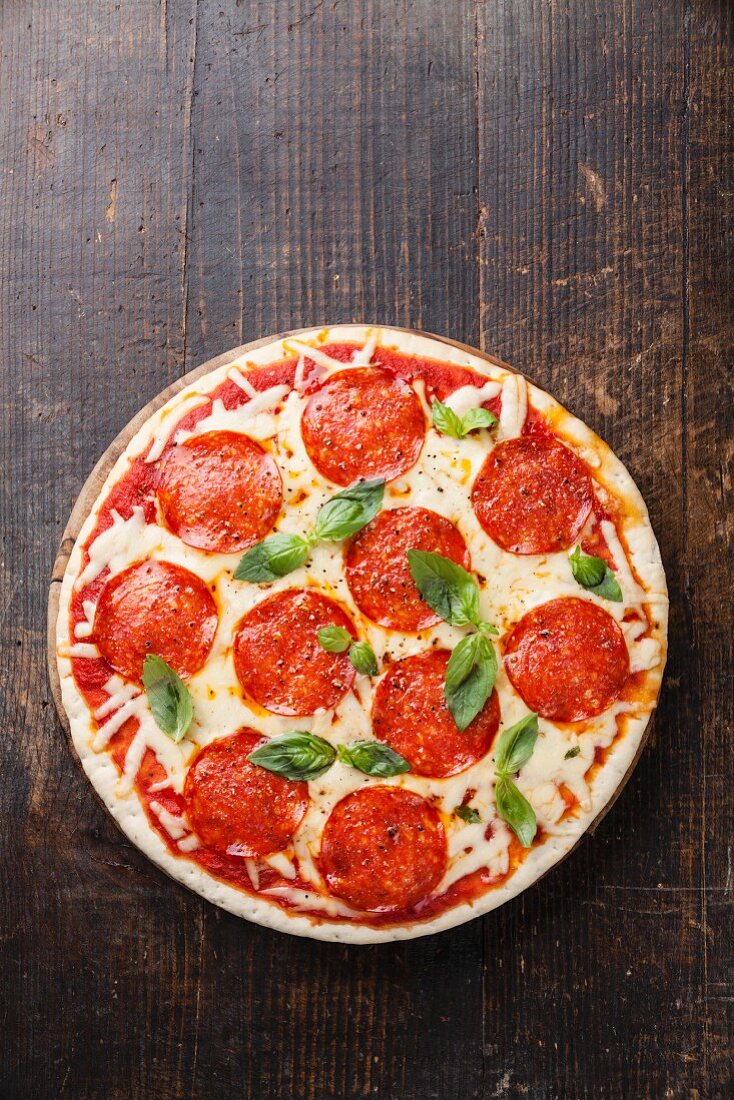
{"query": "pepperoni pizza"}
(361, 633)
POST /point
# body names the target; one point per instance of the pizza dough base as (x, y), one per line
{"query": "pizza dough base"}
(129, 812)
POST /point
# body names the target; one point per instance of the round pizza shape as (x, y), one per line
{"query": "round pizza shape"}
(356, 632)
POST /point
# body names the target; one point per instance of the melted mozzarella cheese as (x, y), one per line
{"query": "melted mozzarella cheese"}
(471, 397)
(79, 649)
(134, 707)
(320, 358)
(174, 824)
(119, 691)
(84, 627)
(115, 545)
(510, 585)
(254, 873)
(281, 863)
(633, 594)
(514, 406)
(189, 843)
(168, 418)
(363, 356)
(256, 418)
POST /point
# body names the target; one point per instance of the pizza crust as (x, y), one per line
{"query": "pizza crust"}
(129, 812)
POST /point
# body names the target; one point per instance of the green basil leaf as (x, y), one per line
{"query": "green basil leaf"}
(572, 752)
(272, 558)
(515, 745)
(514, 808)
(295, 755)
(373, 758)
(168, 697)
(445, 420)
(587, 570)
(461, 661)
(609, 588)
(595, 575)
(448, 422)
(334, 639)
(362, 656)
(446, 587)
(470, 676)
(477, 418)
(468, 813)
(348, 512)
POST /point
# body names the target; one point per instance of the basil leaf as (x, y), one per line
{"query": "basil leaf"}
(446, 587)
(477, 418)
(587, 570)
(595, 575)
(272, 558)
(609, 588)
(348, 512)
(448, 422)
(516, 744)
(295, 755)
(462, 661)
(334, 639)
(470, 676)
(373, 758)
(445, 420)
(514, 808)
(572, 752)
(362, 656)
(468, 813)
(168, 697)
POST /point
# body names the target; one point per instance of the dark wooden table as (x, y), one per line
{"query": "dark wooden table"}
(549, 179)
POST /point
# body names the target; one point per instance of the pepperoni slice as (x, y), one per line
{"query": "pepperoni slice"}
(568, 659)
(219, 491)
(377, 568)
(278, 659)
(383, 849)
(363, 422)
(155, 607)
(410, 714)
(532, 495)
(237, 808)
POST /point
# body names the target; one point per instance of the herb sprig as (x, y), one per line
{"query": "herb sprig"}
(468, 814)
(168, 696)
(453, 594)
(595, 576)
(340, 517)
(295, 755)
(373, 758)
(448, 422)
(302, 755)
(336, 639)
(514, 748)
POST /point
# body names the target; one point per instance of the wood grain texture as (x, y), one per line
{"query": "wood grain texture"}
(554, 179)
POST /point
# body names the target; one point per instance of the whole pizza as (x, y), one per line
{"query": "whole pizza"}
(361, 633)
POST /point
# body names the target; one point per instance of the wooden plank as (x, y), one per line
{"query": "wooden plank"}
(582, 140)
(316, 198)
(97, 948)
(709, 530)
